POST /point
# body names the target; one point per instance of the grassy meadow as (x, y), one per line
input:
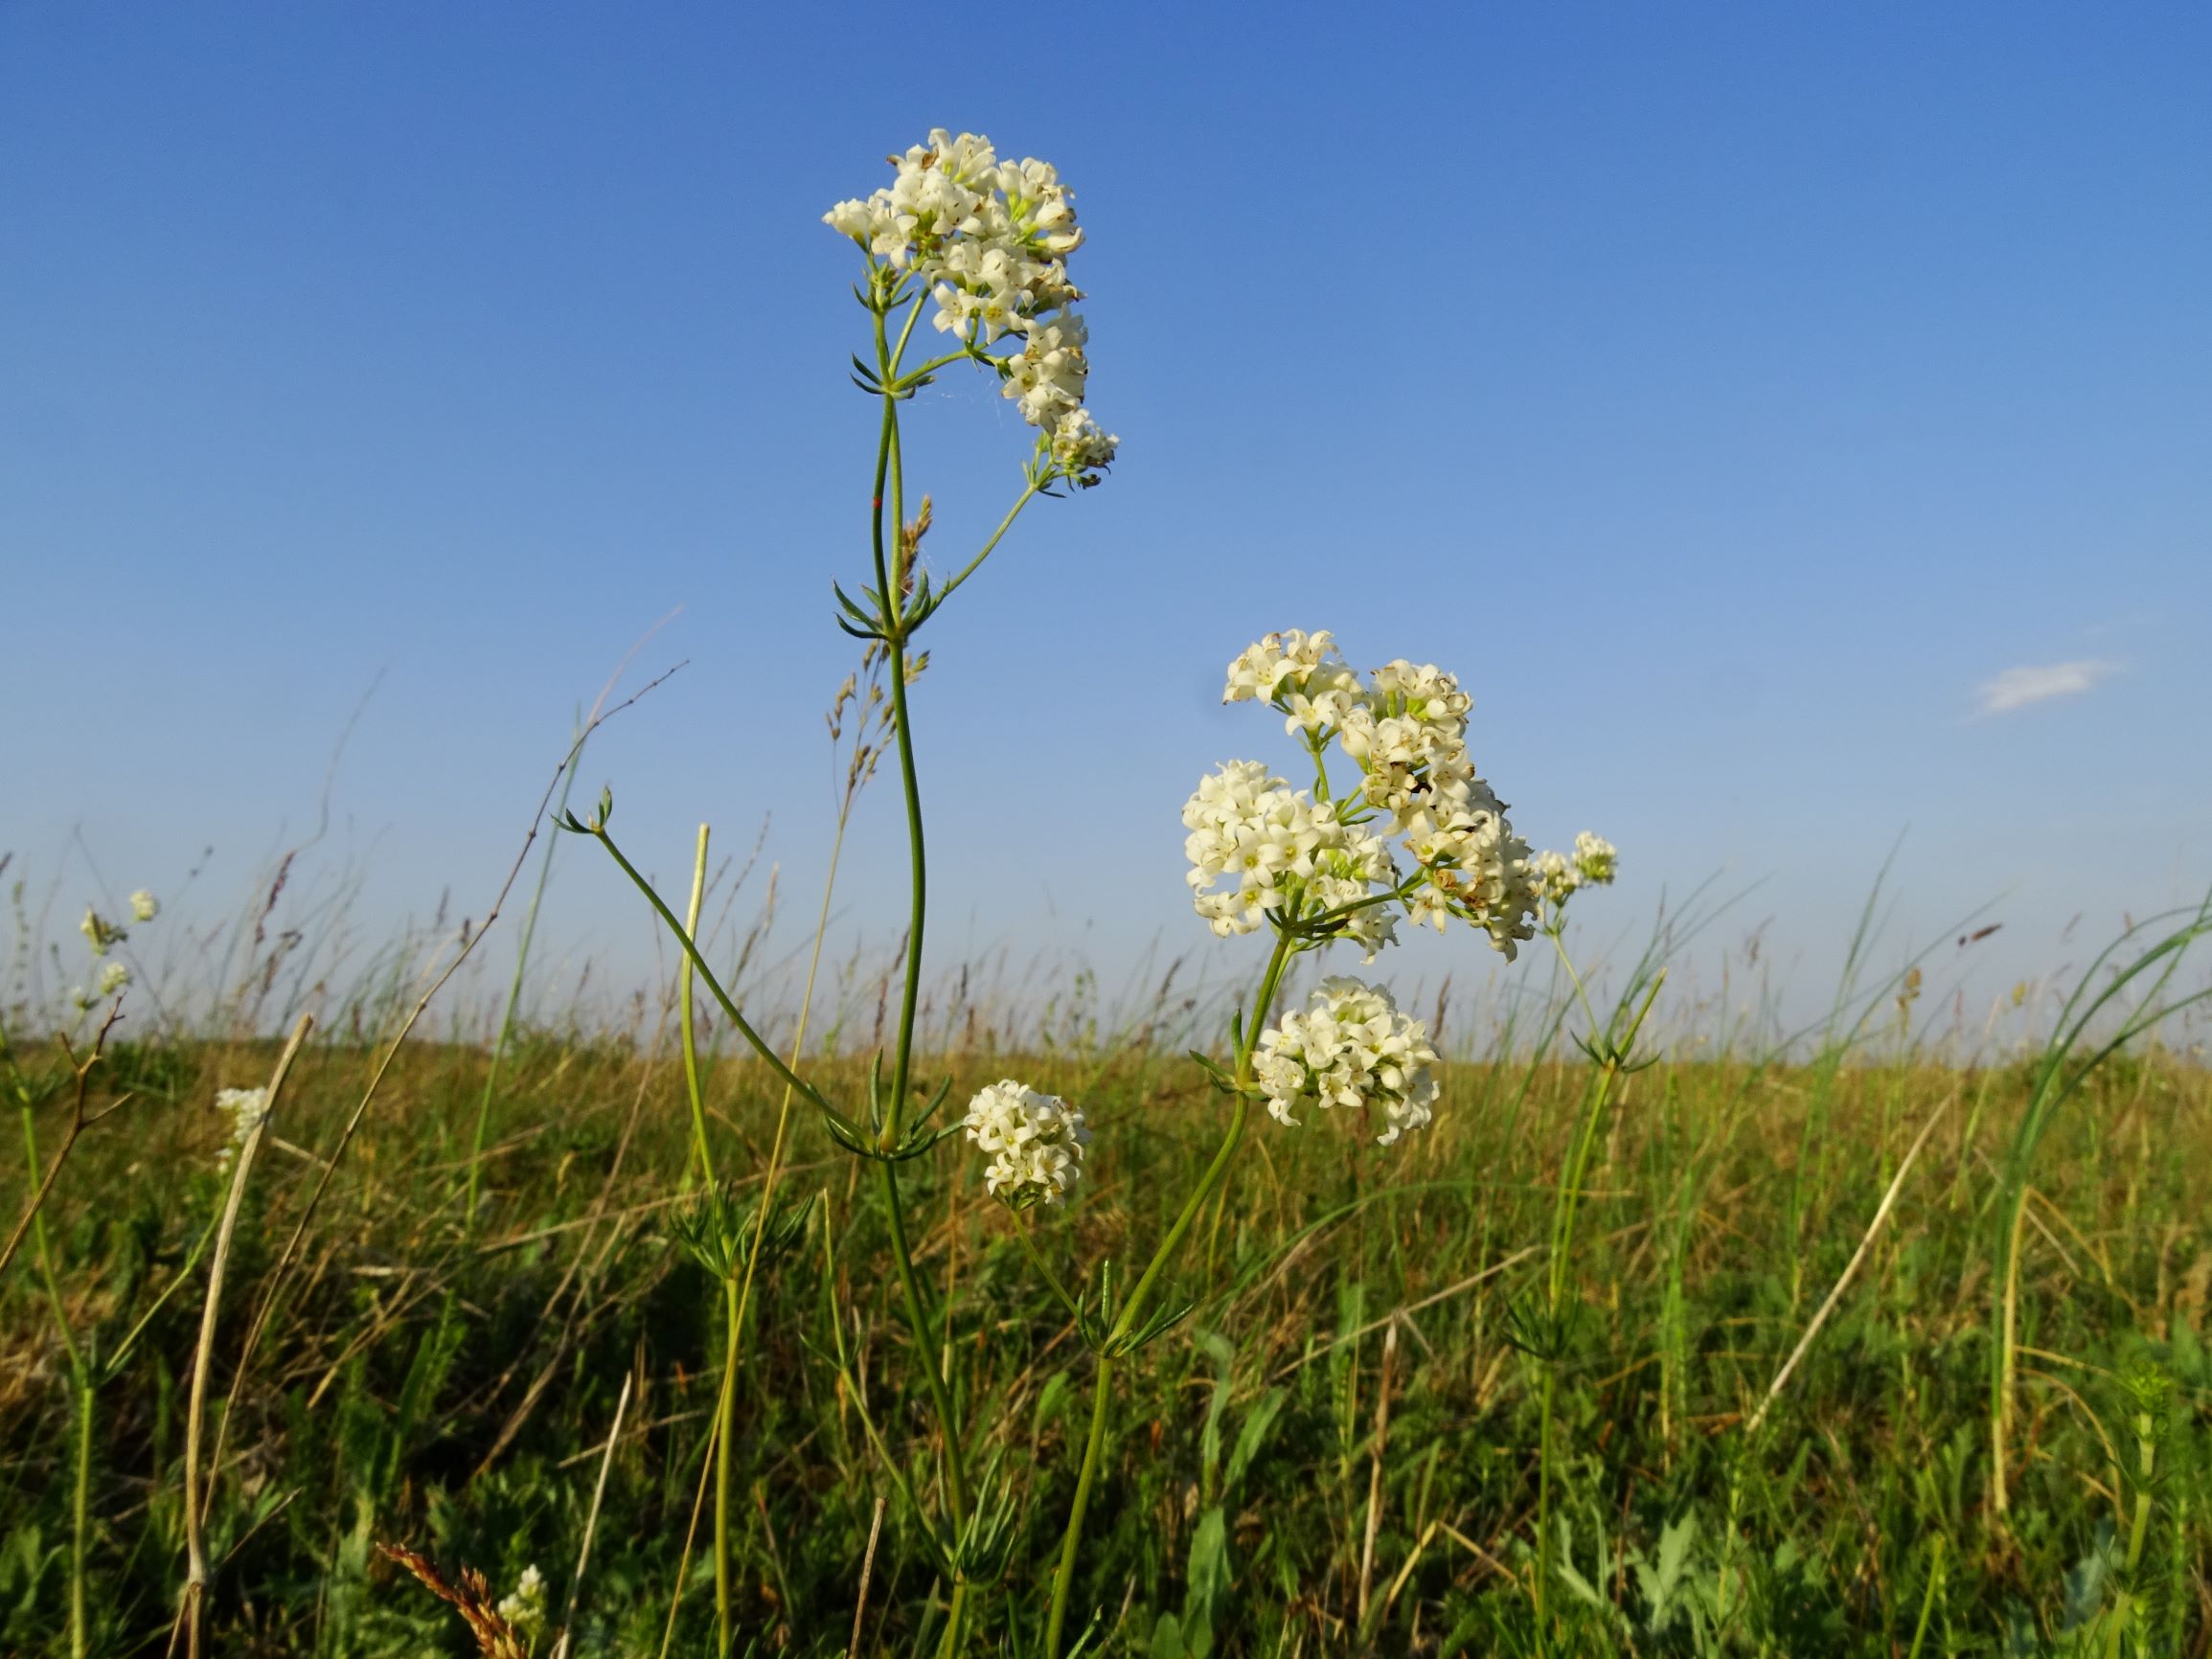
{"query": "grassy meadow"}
(1337, 1450)
(999, 1314)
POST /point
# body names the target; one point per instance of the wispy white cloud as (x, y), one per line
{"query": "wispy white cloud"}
(2017, 688)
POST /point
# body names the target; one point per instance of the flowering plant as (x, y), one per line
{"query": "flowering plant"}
(1407, 829)
(980, 245)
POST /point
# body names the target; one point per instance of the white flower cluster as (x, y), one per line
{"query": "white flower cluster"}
(1034, 1141)
(102, 936)
(1350, 1047)
(246, 1108)
(1282, 851)
(524, 1606)
(1405, 728)
(990, 239)
(1593, 863)
(1302, 676)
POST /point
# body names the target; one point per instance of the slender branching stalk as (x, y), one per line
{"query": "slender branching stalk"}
(507, 1017)
(27, 1100)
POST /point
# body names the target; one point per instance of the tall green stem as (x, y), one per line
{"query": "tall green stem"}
(81, 1397)
(726, 1404)
(1093, 1448)
(81, 1517)
(1132, 1307)
(726, 1439)
(925, 1341)
(1572, 1174)
(687, 1020)
(891, 577)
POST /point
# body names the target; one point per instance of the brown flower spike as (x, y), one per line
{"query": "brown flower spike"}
(472, 1598)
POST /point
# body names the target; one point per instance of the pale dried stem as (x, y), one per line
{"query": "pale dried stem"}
(1375, 1472)
(591, 1520)
(194, 1503)
(867, 1572)
(1835, 1295)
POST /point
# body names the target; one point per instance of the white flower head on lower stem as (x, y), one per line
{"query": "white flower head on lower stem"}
(98, 932)
(245, 1109)
(1080, 447)
(113, 977)
(144, 906)
(1299, 673)
(524, 1606)
(1559, 875)
(1556, 876)
(1596, 860)
(1034, 1142)
(1349, 1047)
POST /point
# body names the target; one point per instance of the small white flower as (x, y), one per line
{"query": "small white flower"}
(1559, 875)
(1049, 374)
(989, 239)
(246, 1108)
(1299, 673)
(81, 999)
(144, 906)
(1035, 1143)
(98, 932)
(113, 977)
(1283, 850)
(1556, 875)
(1079, 446)
(1349, 1047)
(1596, 859)
(1408, 734)
(524, 1606)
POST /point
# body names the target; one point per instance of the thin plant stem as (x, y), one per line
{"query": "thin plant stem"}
(726, 1398)
(591, 1521)
(1093, 1449)
(691, 949)
(891, 579)
(925, 1341)
(686, 1017)
(194, 1515)
(726, 1427)
(739, 1293)
(513, 1002)
(80, 1516)
(1004, 525)
(1140, 1293)
(1051, 1280)
(79, 1122)
(1561, 1265)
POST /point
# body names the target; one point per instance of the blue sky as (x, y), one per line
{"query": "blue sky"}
(1732, 397)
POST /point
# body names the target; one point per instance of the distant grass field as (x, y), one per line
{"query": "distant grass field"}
(1335, 1453)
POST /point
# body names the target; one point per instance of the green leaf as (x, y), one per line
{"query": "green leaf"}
(1208, 1580)
(1252, 1437)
